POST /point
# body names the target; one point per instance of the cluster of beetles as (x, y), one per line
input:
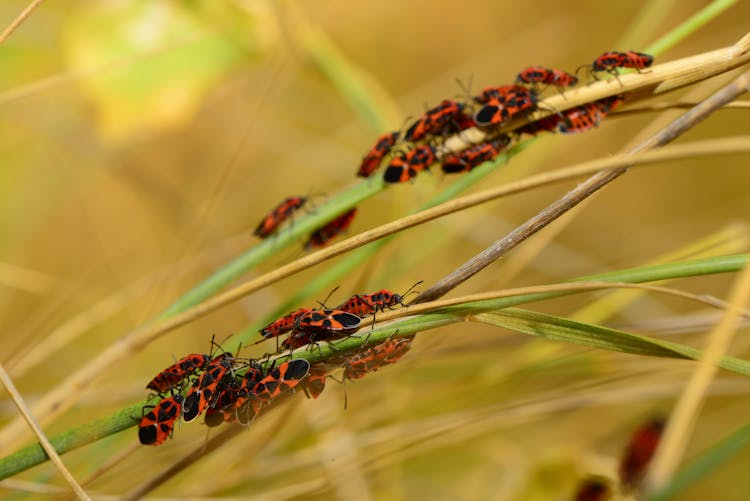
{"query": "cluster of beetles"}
(228, 388)
(416, 149)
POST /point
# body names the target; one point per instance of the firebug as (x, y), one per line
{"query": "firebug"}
(172, 375)
(321, 325)
(271, 221)
(547, 76)
(468, 159)
(228, 395)
(435, 120)
(323, 235)
(374, 157)
(281, 379)
(610, 61)
(375, 357)
(501, 92)
(283, 324)
(405, 167)
(245, 407)
(639, 451)
(546, 124)
(363, 305)
(158, 424)
(316, 380)
(207, 387)
(593, 489)
(587, 116)
(506, 106)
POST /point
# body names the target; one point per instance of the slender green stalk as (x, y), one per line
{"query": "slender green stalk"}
(731, 238)
(703, 465)
(532, 323)
(351, 83)
(648, 18)
(689, 26)
(72, 439)
(684, 269)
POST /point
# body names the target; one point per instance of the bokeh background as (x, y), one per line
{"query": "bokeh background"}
(141, 142)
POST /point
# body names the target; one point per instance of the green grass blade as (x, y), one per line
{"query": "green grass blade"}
(704, 464)
(352, 83)
(684, 269)
(72, 439)
(647, 19)
(690, 26)
(445, 316)
(731, 238)
(568, 331)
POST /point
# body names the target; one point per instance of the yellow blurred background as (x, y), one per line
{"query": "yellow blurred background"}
(142, 141)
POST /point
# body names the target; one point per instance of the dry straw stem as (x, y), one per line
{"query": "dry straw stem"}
(25, 13)
(64, 394)
(682, 420)
(43, 440)
(588, 187)
(26, 279)
(650, 107)
(656, 80)
(554, 288)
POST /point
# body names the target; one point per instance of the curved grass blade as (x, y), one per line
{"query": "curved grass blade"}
(568, 331)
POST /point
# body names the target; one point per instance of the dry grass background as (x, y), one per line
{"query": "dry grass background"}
(130, 171)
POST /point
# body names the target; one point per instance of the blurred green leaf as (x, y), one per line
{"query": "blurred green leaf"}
(147, 64)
